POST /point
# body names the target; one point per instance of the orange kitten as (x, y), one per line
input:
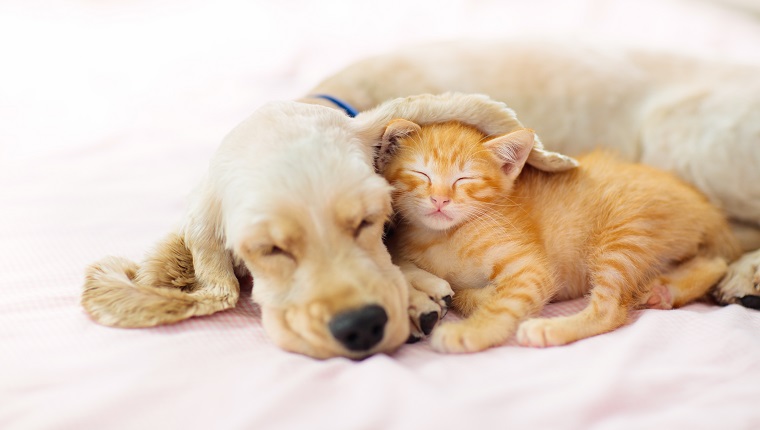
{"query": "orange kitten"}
(510, 238)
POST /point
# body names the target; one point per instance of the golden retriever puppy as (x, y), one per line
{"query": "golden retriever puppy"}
(695, 118)
(292, 197)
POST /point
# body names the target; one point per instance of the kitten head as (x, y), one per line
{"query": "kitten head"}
(445, 174)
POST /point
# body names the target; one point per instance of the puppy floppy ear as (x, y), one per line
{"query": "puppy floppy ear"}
(489, 116)
(396, 129)
(513, 150)
(549, 161)
(189, 273)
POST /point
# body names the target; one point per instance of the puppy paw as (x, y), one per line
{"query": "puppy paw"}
(437, 289)
(540, 332)
(460, 337)
(741, 285)
(429, 300)
(424, 314)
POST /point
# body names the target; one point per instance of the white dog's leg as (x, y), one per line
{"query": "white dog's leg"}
(741, 284)
(748, 235)
(429, 299)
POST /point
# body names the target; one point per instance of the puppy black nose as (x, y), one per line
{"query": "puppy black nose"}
(361, 329)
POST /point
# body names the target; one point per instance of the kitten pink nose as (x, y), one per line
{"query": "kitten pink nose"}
(440, 201)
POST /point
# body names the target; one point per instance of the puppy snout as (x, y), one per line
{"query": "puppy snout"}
(361, 329)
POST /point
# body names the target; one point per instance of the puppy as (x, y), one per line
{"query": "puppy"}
(292, 197)
(695, 118)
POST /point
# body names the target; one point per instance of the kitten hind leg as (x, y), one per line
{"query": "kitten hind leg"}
(686, 283)
(604, 313)
(608, 308)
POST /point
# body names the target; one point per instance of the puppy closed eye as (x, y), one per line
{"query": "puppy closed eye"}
(365, 224)
(276, 251)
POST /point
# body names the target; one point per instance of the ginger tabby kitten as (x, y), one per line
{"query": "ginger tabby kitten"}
(509, 238)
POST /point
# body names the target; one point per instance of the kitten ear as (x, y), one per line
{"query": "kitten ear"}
(513, 150)
(395, 130)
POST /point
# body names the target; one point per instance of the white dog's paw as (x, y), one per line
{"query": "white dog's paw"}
(429, 300)
(424, 314)
(741, 285)
(437, 289)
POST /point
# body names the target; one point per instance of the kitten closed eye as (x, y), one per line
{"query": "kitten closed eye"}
(422, 175)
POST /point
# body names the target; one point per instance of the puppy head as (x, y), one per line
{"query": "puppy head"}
(304, 211)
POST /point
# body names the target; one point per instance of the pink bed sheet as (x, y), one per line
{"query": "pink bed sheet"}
(108, 116)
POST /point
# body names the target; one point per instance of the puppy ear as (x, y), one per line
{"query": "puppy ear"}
(513, 150)
(213, 263)
(396, 129)
(550, 161)
(489, 116)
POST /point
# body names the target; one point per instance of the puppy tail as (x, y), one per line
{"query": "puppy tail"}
(119, 293)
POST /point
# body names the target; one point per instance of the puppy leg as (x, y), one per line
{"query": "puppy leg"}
(741, 285)
(747, 234)
(429, 299)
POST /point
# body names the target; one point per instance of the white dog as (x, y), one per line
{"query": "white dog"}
(698, 119)
(292, 197)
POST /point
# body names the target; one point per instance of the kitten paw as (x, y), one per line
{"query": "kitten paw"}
(659, 297)
(541, 332)
(741, 285)
(459, 337)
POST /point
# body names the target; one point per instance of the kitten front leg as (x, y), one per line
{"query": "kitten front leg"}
(741, 284)
(429, 299)
(492, 316)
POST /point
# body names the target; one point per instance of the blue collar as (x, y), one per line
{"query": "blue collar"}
(347, 108)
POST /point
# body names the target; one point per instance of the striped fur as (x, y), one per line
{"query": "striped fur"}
(510, 238)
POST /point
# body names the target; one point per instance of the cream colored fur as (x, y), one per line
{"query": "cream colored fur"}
(292, 196)
(696, 118)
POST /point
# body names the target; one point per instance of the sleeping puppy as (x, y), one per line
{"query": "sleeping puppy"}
(695, 118)
(292, 197)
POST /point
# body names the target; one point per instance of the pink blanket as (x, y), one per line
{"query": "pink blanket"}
(108, 115)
